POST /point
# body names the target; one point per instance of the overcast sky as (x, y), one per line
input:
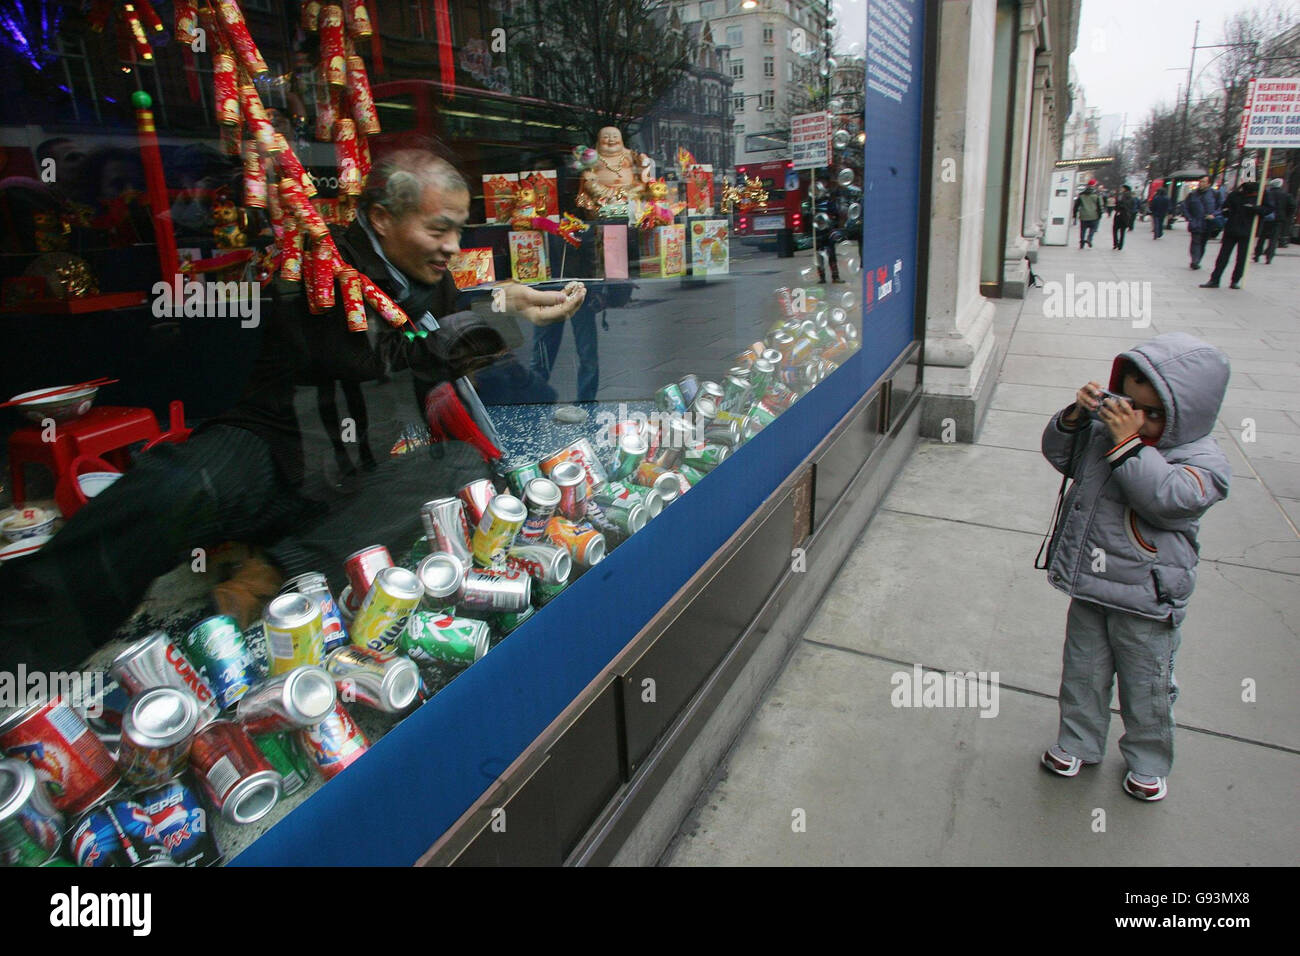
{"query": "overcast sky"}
(1126, 48)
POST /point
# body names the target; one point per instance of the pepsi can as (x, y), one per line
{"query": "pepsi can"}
(182, 823)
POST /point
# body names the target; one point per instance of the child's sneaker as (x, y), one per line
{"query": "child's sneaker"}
(1059, 762)
(1145, 788)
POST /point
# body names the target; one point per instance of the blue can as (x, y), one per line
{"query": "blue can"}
(218, 649)
(316, 586)
(119, 833)
(181, 821)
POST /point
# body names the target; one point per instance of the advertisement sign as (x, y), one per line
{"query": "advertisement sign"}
(810, 140)
(1271, 118)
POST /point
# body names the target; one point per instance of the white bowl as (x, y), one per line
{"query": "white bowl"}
(93, 482)
(17, 527)
(22, 548)
(39, 405)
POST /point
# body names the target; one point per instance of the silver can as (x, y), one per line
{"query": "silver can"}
(547, 564)
(300, 698)
(447, 528)
(30, 828)
(495, 589)
(441, 575)
(387, 682)
(772, 356)
(541, 497)
(723, 433)
(317, 587)
(631, 451)
(157, 730)
(571, 481)
(713, 390)
(705, 410)
(155, 661)
(673, 439)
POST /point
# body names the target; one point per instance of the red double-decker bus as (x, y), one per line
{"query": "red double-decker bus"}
(787, 192)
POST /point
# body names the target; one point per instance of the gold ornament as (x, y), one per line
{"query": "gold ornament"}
(66, 275)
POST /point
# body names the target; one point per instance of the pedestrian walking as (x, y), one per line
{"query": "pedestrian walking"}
(1142, 480)
(1125, 213)
(1271, 215)
(1087, 210)
(1238, 211)
(1197, 207)
(1159, 207)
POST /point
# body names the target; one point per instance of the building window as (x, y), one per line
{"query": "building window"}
(737, 69)
(707, 9)
(769, 67)
(735, 36)
(789, 72)
(769, 100)
(738, 103)
(769, 34)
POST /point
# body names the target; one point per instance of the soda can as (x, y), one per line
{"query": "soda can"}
(586, 545)
(283, 752)
(762, 376)
(181, 822)
(217, 648)
(335, 743)
(316, 586)
(382, 615)
(691, 475)
(772, 357)
(661, 479)
(495, 589)
(670, 399)
(541, 498)
(674, 435)
(571, 481)
(704, 457)
(31, 829)
(786, 300)
(68, 758)
(632, 448)
(447, 529)
(502, 520)
(627, 514)
(117, 833)
(723, 433)
(441, 575)
(582, 452)
(234, 776)
(154, 661)
(689, 386)
(507, 621)
(386, 682)
(157, 731)
(475, 497)
(547, 564)
(705, 410)
(459, 641)
(519, 477)
(779, 397)
(623, 495)
(597, 518)
(739, 371)
(361, 568)
(291, 701)
(800, 352)
(737, 392)
(712, 390)
(295, 634)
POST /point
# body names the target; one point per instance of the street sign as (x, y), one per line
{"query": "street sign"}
(810, 140)
(1272, 114)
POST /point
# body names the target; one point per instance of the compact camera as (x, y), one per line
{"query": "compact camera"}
(1092, 412)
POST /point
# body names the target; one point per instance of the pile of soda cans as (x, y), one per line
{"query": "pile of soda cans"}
(222, 725)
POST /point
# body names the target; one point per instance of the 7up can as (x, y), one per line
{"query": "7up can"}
(430, 638)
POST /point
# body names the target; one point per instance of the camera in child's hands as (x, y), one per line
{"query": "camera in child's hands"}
(1102, 395)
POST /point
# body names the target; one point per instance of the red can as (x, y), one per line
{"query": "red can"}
(475, 497)
(67, 757)
(335, 743)
(233, 773)
(362, 566)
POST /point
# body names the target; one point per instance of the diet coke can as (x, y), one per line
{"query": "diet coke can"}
(361, 568)
(495, 589)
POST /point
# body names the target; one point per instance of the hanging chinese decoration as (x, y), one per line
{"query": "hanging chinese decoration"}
(746, 196)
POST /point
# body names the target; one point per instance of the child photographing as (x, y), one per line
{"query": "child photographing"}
(1144, 470)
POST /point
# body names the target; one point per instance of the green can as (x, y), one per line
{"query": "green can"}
(217, 648)
(670, 399)
(519, 476)
(705, 457)
(544, 593)
(420, 549)
(692, 475)
(459, 641)
(507, 621)
(284, 754)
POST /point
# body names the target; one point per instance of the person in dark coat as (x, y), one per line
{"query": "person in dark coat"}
(1125, 215)
(1288, 221)
(1087, 210)
(1240, 211)
(1271, 215)
(1159, 207)
(1198, 207)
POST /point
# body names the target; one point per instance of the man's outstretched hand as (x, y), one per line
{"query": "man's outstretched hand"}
(544, 308)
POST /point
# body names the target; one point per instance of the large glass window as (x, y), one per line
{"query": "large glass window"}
(351, 344)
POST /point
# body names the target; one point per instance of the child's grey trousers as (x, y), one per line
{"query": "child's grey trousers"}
(1100, 643)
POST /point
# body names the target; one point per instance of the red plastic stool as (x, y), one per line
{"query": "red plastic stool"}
(176, 431)
(105, 431)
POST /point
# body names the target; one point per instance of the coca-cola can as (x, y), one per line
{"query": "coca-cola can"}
(361, 568)
(157, 731)
(495, 589)
(237, 779)
(447, 529)
(475, 496)
(571, 481)
(155, 661)
(72, 764)
(582, 452)
(300, 698)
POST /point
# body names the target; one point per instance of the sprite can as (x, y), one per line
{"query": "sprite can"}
(507, 621)
(690, 474)
(458, 641)
(283, 753)
(670, 399)
(519, 477)
(217, 648)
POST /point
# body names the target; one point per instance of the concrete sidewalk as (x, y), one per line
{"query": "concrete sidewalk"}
(944, 578)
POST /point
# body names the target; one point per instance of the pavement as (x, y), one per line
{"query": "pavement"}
(829, 771)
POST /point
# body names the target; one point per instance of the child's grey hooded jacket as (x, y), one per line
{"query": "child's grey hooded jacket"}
(1126, 537)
